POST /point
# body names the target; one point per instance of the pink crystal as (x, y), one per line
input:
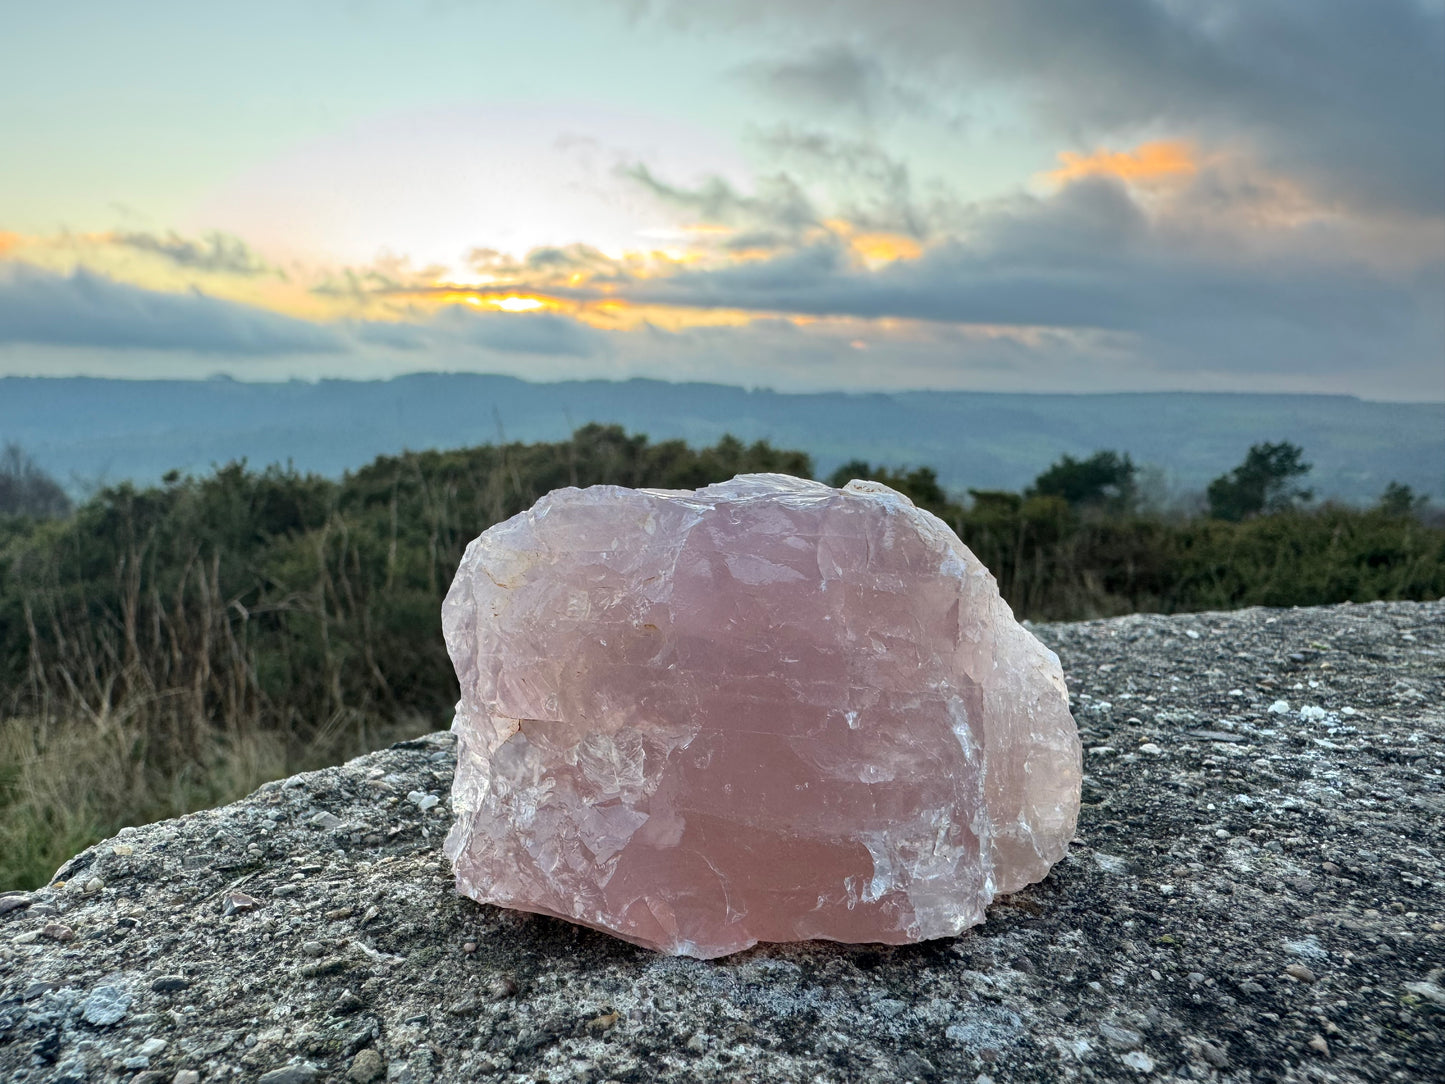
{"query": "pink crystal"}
(767, 710)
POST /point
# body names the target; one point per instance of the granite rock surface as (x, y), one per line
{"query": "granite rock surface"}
(1254, 894)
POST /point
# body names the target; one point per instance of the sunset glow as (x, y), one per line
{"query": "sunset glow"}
(932, 194)
(1146, 163)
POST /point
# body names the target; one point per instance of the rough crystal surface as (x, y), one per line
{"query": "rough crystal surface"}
(767, 710)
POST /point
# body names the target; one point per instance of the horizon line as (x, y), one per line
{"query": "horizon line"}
(228, 378)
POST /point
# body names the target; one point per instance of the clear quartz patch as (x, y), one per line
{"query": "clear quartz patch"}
(766, 710)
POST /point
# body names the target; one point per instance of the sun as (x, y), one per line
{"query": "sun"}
(516, 304)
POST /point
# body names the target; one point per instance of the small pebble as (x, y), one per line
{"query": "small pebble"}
(469, 947)
(106, 1004)
(1138, 1060)
(604, 1022)
(1317, 1043)
(1430, 991)
(1300, 972)
(300, 1073)
(1214, 1055)
(1121, 1038)
(333, 966)
(92, 886)
(186, 1076)
(312, 948)
(366, 1066)
(239, 903)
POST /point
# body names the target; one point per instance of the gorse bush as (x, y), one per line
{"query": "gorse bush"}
(287, 602)
(167, 648)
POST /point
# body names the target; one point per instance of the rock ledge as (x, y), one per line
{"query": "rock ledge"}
(1255, 894)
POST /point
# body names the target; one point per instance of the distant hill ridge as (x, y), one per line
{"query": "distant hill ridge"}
(85, 429)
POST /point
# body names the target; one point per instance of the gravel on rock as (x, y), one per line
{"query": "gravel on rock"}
(1256, 893)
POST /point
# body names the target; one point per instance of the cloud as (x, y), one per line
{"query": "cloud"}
(525, 333)
(1083, 289)
(88, 309)
(834, 79)
(456, 326)
(216, 252)
(1344, 92)
(393, 335)
(779, 203)
(1090, 258)
(533, 333)
(858, 182)
(544, 263)
(867, 186)
(1149, 162)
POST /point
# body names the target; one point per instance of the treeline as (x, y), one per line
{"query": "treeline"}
(1084, 541)
(166, 648)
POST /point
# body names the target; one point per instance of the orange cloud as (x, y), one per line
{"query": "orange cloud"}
(880, 248)
(8, 241)
(874, 248)
(1146, 163)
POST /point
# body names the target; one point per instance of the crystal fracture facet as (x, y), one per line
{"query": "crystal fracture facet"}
(767, 710)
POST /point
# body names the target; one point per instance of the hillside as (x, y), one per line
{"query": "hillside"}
(83, 430)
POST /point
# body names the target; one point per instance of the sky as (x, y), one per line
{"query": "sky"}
(1244, 195)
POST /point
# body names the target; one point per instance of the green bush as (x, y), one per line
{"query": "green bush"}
(171, 646)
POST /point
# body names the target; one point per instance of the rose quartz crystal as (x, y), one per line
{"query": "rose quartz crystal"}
(767, 710)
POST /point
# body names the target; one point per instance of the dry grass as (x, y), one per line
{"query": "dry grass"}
(67, 782)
